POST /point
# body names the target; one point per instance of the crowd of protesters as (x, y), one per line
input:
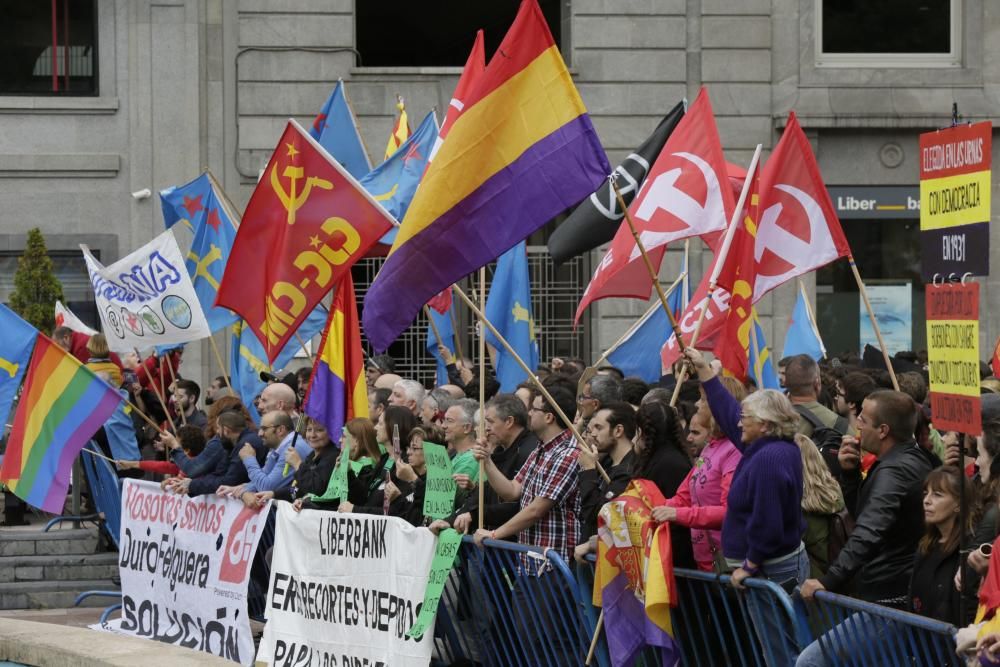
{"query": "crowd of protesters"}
(836, 482)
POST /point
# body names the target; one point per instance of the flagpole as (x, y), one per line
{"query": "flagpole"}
(430, 320)
(717, 267)
(653, 275)
(454, 328)
(173, 380)
(218, 358)
(590, 371)
(100, 456)
(812, 316)
(593, 641)
(871, 316)
(482, 395)
(639, 322)
(687, 273)
(302, 343)
(156, 391)
(580, 442)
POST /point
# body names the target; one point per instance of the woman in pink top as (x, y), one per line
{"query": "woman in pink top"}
(700, 501)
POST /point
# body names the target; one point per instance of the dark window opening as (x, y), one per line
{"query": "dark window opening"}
(70, 269)
(48, 47)
(392, 33)
(887, 26)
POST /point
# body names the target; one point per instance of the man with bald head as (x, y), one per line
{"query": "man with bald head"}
(454, 391)
(277, 396)
(387, 381)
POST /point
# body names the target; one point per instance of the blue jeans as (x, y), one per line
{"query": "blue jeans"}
(859, 637)
(775, 631)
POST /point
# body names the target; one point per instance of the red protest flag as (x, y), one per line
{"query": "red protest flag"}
(441, 302)
(995, 361)
(687, 193)
(798, 232)
(307, 222)
(738, 276)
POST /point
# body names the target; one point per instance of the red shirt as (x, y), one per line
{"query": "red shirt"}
(552, 471)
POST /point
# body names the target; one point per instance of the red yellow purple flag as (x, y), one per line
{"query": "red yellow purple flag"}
(337, 391)
(522, 151)
(306, 224)
(634, 579)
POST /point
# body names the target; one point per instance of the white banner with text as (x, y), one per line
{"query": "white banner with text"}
(185, 566)
(345, 588)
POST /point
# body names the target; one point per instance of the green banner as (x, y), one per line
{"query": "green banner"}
(439, 494)
(445, 553)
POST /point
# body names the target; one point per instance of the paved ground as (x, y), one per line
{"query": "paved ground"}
(78, 617)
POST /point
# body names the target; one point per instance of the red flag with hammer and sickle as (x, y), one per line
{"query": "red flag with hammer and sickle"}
(307, 222)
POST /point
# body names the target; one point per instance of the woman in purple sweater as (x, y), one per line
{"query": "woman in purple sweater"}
(763, 528)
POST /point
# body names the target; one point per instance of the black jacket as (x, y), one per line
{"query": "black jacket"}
(313, 475)
(595, 492)
(230, 471)
(508, 461)
(667, 467)
(888, 509)
(932, 588)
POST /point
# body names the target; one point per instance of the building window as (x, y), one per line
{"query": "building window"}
(71, 270)
(889, 33)
(48, 47)
(394, 33)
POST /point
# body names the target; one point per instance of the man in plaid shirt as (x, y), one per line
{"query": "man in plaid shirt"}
(547, 484)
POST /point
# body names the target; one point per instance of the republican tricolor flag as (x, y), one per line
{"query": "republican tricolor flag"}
(337, 391)
(522, 151)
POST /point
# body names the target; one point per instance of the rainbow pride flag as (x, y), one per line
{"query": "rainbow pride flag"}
(62, 405)
(337, 390)
(634, 580)
(522, 151)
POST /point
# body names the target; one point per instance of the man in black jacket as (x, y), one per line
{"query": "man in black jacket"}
(888, 503)
(611, 431)
(233, 432)
(507, 433)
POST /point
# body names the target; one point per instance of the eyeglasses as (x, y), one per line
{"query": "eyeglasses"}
(265, 428)
(583, 397)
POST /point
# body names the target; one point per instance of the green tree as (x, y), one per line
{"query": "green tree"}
(36, 288)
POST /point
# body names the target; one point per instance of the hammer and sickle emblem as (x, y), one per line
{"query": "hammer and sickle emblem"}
(741, 302)
(9, 367)
(293, 200)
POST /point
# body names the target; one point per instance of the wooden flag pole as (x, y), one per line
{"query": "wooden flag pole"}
(580, 442)
(144, 416)
(457, 339)
(871, 316)
(593, 641)
(218, 358)
(173, 380)
(100, 456)
(156, 391)
(482, 395)
(590, 371)
(717, 267)
(639, 322)
(653, 274)
(302, 343)
(430, 320)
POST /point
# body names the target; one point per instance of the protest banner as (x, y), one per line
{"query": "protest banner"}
(185, 563)
(955, 200)
(893, 307)
(146, 298)
(439, 492)
(953, 357)
(345, 590)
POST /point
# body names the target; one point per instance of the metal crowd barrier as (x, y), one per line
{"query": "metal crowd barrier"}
(853, 632)
(260, 569)
(511, 605)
